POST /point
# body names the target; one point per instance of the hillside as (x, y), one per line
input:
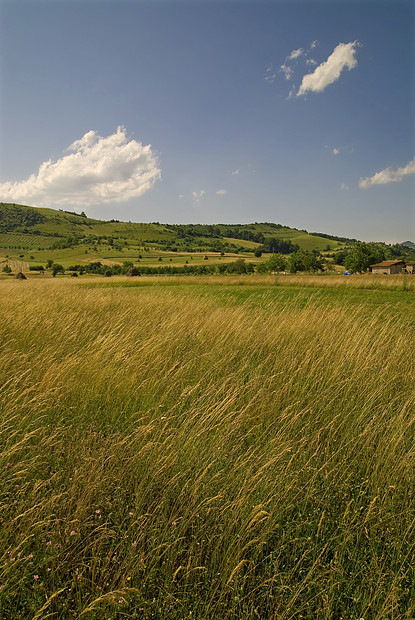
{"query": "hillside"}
(32, 237)
(24, 227)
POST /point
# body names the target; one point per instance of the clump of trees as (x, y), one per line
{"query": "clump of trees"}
(362, 256)
(302, 260)
(279, 246)
(13, 216)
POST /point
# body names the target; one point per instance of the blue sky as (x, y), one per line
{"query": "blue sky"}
(288, 111)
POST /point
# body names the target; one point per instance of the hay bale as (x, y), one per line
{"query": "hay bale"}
(133, 272)
(20, 276)
(74, 274)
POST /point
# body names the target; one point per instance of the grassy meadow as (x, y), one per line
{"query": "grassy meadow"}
(207, 448)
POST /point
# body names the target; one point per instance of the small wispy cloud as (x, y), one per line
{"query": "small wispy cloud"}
(329, 71)
(198, 195)
(344, 187)
(235, 172)
(287, 71)
(221, 192)
(338, 150)
(97, 170)
(388, 175)
(270, 75)
(291, 61)
(296, 54)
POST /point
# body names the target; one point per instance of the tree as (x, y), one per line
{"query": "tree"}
(362, 256)
(238, 266)
(49, 263)
(57, 269)
(340, 257)
(276, 262)
(258, 252)
(311, 261)
(7, 269)
(304, 261)
(276, 245)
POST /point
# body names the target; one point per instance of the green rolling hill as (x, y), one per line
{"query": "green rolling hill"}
(25, 227)
(32, 236)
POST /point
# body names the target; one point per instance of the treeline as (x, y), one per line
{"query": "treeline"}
(302, 260)
(332, 237)
(246, 232)
(236, 267)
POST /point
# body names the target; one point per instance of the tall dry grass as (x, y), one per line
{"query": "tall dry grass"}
(166, 456)
(403, 282)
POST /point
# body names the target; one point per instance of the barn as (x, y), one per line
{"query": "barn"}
(388, 267)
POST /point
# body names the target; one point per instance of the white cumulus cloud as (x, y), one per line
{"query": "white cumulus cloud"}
(389, 175)
(96, 170)
(329, 71)
(222, 192)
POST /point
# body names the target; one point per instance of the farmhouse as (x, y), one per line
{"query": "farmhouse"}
(388, 267)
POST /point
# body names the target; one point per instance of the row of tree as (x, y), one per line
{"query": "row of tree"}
(302, 260)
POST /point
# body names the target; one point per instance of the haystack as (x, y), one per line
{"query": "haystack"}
(20, 276)
(133, 272)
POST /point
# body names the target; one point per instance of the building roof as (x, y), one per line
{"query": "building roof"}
(388, 263)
